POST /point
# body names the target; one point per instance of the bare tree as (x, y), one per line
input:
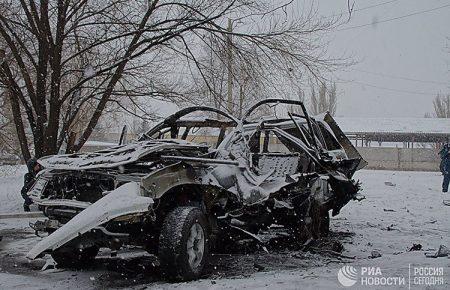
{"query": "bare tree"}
(68, 60)
(8, 140)
(325, 100)
(210, 83)
(278, 62)
(442, 106)
(9, 144)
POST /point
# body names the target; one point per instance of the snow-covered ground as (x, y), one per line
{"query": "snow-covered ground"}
(400, 209)
(11, 182)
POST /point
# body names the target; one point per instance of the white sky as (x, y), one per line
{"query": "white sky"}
(414, 47)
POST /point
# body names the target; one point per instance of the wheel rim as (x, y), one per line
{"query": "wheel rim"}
(195, 245)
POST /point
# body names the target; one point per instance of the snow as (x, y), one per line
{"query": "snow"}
(89, 71)
(99, 143)
(400, 209)
(111, 157)
(11, 181)
(397, 125)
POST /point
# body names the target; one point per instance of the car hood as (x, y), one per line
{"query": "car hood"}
(114, 156)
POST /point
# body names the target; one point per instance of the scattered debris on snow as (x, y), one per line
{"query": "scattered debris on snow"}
(374, 254)
(415, 247)
(443, 251)
(389, 210)
(49, 264)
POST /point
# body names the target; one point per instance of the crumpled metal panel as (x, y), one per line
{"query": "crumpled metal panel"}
(278, 164)
(113, 157)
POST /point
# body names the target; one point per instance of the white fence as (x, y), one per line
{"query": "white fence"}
(419, 159)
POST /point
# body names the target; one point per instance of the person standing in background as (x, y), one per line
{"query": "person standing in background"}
(445, 166)
(30, 177)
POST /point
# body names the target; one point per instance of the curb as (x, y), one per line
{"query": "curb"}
(21, 215)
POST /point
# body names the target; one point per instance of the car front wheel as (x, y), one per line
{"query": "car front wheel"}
(184, 243)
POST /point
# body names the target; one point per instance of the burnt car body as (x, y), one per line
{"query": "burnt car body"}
(178, 198)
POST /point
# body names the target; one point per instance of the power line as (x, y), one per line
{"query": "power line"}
(401, 77)
(363, 8)
(375, 5)
(395, 18)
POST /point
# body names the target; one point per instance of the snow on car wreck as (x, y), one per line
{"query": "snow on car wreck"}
(178, 199)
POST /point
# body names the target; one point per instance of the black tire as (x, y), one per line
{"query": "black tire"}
(177, 262)
(70, 257)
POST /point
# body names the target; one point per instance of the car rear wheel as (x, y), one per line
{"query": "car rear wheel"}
(69, 257)
(184, 243)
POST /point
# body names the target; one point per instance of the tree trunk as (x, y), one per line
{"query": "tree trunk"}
(19, 126)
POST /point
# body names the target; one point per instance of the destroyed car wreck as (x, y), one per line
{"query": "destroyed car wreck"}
(177, 198)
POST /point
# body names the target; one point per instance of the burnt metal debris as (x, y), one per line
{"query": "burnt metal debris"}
(180, 198)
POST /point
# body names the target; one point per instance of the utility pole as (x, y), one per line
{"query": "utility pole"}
(241, 99)
(229, 62)
(242, 84)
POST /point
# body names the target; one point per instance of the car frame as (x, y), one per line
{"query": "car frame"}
(180, 200)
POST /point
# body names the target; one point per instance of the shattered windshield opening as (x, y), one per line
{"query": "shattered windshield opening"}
(202, 125)
(275, 109)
